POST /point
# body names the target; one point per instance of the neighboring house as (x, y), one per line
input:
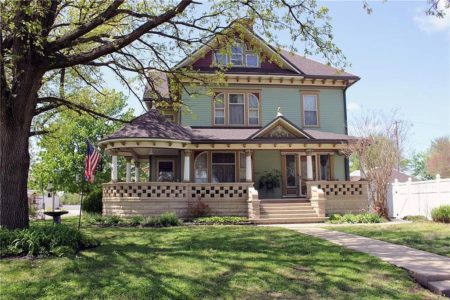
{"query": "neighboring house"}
(400, 176)
(264, 145)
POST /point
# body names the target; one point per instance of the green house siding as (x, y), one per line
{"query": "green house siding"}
(266, 161)
(339, 167)
(331, 106)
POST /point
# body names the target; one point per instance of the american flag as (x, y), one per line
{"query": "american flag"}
(90, 162)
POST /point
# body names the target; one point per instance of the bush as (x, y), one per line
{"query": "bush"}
(355, 218)
(441, 214)
(169, 219)
(415, 218)
(92, 203)
(164, 220)
(220, 220)
(136, 220)
(44, 240)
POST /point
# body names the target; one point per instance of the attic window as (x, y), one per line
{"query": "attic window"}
(240, 56)
(237, 55)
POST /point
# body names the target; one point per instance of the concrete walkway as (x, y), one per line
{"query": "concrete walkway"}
(430, 270)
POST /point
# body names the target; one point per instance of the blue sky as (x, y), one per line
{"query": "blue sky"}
(402, 57)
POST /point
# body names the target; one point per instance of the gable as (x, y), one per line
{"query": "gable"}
(280, 128)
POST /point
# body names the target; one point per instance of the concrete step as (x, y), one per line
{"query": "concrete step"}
(287, 210)
(288, 213)
(279, 216)
(440, 287)
(285, 200)
(287, 204)
(289, 220)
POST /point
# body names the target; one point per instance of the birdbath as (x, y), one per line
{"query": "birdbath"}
(56, 215)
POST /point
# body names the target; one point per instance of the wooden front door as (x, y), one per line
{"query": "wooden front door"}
(290, 175)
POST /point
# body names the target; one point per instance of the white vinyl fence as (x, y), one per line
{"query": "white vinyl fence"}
(414, 198)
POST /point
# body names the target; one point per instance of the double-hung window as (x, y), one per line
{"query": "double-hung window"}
(219, 109)
(220, 59)
(310, 110)
(236, 109)
(223, 167)
(252, 60)
(253, 109)
(237, 55)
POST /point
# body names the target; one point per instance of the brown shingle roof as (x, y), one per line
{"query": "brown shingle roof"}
(312, 67)
(152, 125)
(160, 84)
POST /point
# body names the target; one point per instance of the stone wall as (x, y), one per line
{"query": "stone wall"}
(155, 198)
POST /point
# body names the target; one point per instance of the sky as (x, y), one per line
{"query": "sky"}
(402, 56)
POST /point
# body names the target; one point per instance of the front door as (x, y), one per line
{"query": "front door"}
(290, 175)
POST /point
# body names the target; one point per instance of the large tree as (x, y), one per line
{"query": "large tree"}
(438, 160)
(41, 40)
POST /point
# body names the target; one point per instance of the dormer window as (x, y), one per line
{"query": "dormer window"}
(239, 56)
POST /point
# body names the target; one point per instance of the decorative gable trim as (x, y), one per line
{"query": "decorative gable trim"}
(249, 35)
(280, 128)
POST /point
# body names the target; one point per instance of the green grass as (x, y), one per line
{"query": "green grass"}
(207, 262)
(427, 236)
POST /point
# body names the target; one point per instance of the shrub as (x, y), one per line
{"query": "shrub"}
(441, 214)
(220, 220)
(415, 218)
(93, 218)
(113, 220)
(92, 203)
(44, 240)
(198, 208)
(136, 220)
(169, 219)
(164, 220)
(355, 218)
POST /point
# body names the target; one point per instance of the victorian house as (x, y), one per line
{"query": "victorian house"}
(267, 143)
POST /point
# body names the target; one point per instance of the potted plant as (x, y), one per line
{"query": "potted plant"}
(270, 180)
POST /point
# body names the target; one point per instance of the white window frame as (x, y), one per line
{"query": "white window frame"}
(224, 103)
(316, 95)
(257, 109)
(205, 153)
(257, 59)
(215, 58)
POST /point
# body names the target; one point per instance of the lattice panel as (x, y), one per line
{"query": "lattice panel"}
(151, 191)
(342, 189)
(216, 191)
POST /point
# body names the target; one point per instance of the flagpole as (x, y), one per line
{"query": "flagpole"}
(81, 203)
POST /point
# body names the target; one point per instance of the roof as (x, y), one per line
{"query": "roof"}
(160, 84)
(152, 125)
(295, 65)
(313, 68)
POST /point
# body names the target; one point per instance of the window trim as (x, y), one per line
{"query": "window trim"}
(224, 109)
(246, 93)
(246, 50)
(258, 65)
(215, 63)
(244, 106)
(242, 54)
(310, 93)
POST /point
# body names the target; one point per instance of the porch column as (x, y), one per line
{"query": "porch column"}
(128, 170)
(248, 166)
(309, 167)
(114, 168)
(137, 171)
(187, 166)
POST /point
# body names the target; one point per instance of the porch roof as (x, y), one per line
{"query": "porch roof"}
(152, 125)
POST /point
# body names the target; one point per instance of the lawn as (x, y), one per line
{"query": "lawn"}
(427, 236)
(207, 262)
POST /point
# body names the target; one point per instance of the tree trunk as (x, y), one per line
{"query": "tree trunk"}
(17, 108)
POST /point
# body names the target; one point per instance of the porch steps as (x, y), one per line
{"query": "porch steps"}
(287, 211)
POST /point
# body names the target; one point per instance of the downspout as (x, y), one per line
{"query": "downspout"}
(346, 160)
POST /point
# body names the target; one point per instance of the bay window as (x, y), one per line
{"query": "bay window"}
(310, 110)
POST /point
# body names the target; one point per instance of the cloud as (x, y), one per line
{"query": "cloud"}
(430, 24)
(353, 106)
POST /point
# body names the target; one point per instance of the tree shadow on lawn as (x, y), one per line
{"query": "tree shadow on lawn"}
(217, 262)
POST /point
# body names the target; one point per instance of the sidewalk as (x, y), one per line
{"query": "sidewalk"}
(430, 270)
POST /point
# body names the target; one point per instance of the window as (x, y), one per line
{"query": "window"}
(325, 167)
(219, 109)
(252, 60)
(201, 168)
(236, 109)
(310, 112)
(220, 58)
(237, 55)
(253, 109)
(223, 167)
